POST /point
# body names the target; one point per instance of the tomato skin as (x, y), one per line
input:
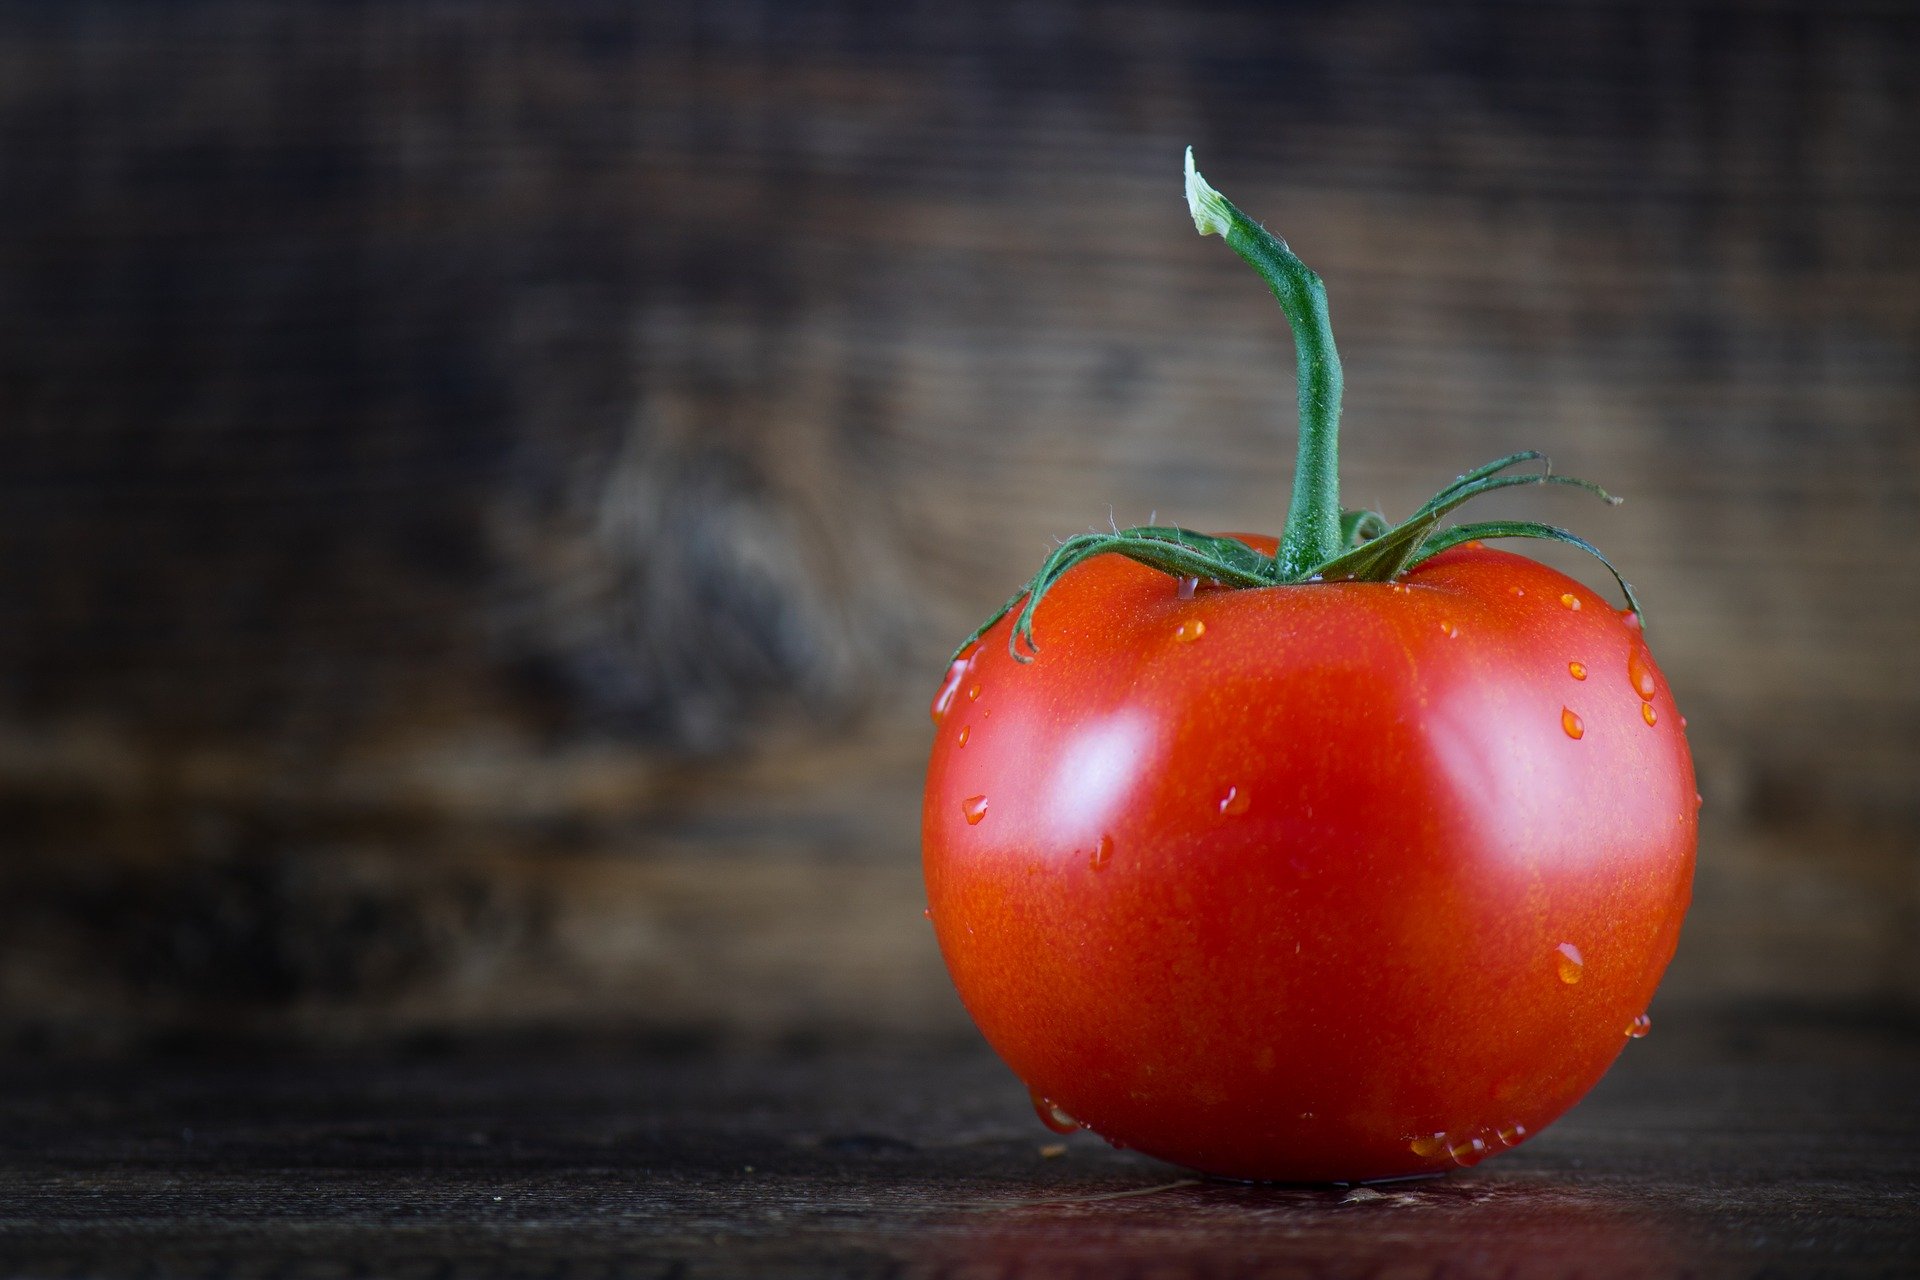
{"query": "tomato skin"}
(1284, 895)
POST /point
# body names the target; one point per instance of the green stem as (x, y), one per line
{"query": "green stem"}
(1312, 534)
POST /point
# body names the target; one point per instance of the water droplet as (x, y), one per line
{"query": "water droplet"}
(966, 731)
(1187, 588)
(1402, 589)
(927, 912)
(1512, 1133)
(1638, 1028)
(973, 693)
(1051, 1114)
(1570, 600)
(1573, 724)
(1640, 674)
(1518, 591)
(1448, 629)
(1428, 1144)
(1698, 800)
(1102, 853)
(950, 686)
(1567, 960)
(975, 807)
(1476, 545)
(1468, 1152)
(1630, 618)
(1190, 630)
(1578, 670)
(1648, 714)
(1235, 802)
(1683, 722)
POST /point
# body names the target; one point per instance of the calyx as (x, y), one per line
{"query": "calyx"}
(1321, 542)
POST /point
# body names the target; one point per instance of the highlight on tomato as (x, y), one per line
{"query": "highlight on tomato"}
(1351, 854)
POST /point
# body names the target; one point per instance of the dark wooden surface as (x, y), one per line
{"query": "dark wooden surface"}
(1769, 1144)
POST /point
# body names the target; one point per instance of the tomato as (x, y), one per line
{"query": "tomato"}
(1312, 884)
(1348, 855)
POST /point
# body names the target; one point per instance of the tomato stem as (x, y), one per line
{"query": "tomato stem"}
(1312, 535)
(1321, 543)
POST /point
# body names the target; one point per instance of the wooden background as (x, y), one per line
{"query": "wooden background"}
(488, 488)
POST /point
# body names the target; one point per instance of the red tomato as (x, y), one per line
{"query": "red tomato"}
(1317, 882)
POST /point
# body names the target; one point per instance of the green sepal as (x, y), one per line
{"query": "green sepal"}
(1183, 553)
(1357, 527)
(1447, 539)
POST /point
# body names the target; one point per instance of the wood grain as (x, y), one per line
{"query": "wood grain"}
(488, 487)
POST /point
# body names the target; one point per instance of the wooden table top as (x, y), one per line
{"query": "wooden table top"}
(1766, 1145)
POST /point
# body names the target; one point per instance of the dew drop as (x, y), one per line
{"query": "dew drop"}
(1102, 853)
(975, 807)
(1648, 714)
(1511, 1134)
(1468, 1151)
(1699, 801)
(966, 731)
(927, 912)
(1638, 1028)
(1188, 586)
(973, 693)
(1573, 724)
(1235, 802)
(1683, 722)
(1448, 629)
(1640, 674)
(1570, 600)
(1567, 959)
(1630, 618)
(1518, 591)
(1428, 1144)
(1578, 670)
(950, 686)
(1051, 1114)
(1190, 630)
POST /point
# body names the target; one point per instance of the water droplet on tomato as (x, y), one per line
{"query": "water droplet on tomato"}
(1469, 1151)
(1698, 800)
(1235, 802)
(1630, 618)
(1402, 589)
(1570, 600)
(966, 731)
(1190, 630)
(1428, 1144)
(1187, 588)
(1567, 960)
(927, 912)
(1638, 1028)
(1518, 591)
(1052, 1115)
(1640, 674)
(1648, 714)
(1578, 670)
(943, 699)
(1448, 629)
(973, 693)
(975, 807)
(1512, 1133)
(1572, 723)
(1683, 722)
(1102, 853)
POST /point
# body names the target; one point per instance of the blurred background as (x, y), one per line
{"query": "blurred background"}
(488, 489)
